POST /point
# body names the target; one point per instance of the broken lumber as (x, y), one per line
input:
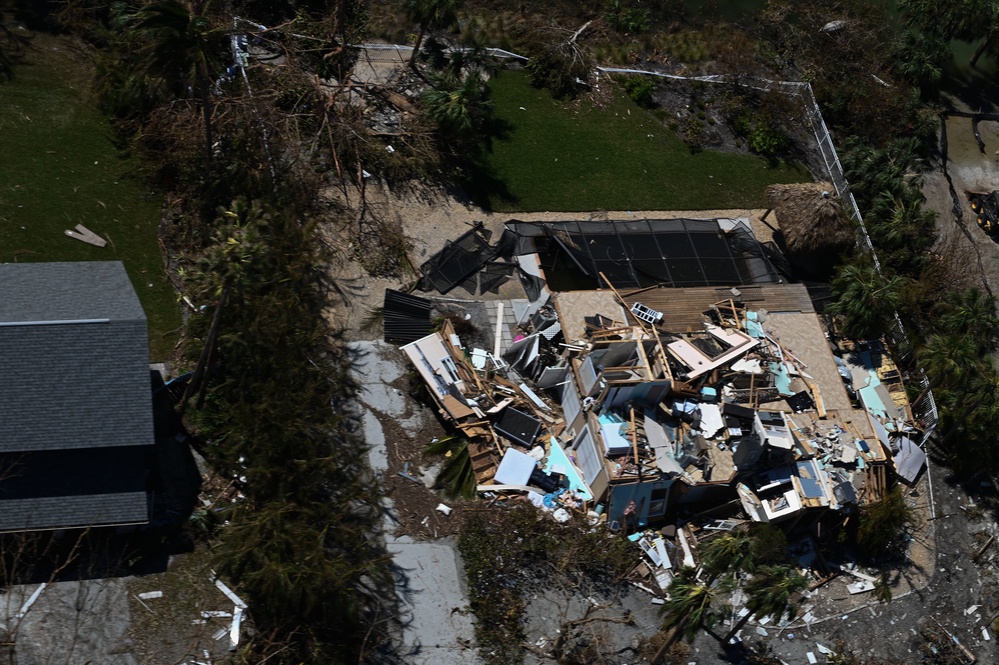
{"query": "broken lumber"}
(84, 234)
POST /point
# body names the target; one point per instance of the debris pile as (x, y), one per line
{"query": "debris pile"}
(667, 414)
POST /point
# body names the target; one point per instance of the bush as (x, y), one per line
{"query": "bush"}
(641, 90)
(627, 19)
(883, 529)
(558, 67)
(767, 141)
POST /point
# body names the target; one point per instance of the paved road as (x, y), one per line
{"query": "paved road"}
(436, 629)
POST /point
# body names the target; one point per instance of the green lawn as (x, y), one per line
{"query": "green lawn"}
(569, 157)
(59, 169)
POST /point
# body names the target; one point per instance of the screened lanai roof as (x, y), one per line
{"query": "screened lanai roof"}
(640, 253)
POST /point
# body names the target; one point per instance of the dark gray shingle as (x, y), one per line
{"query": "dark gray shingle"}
(74, 511)
(67, 291)
(74, 386)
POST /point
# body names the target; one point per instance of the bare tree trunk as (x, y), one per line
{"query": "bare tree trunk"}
(206, 354)
(671, 638)
(206, 110)
(735, 629)
(985, 46)
(416, 47)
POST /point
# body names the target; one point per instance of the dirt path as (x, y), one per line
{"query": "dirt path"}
(969, 169)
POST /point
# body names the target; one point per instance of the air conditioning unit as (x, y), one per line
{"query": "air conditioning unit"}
(646, 314)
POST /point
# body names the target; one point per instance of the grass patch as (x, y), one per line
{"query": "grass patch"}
(574, 157)
(59, 169)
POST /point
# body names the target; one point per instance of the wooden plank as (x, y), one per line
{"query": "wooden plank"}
(90, 239)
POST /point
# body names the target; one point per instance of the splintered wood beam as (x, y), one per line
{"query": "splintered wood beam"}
(651, 330)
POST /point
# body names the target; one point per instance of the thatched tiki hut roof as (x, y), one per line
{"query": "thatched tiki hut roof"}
(814, 228)
(811, 218)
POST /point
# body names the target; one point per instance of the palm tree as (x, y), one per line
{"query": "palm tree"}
(972, 314)
(771, 591)
(866, 301)
(980, 403)
(918, 58)
(883, 524)
(734, 550)
(456, 477)
(948, 360)
(430, 15)
(898, 221)
(873, 171)
(179, 51)
(690, 607)
(966, 20)
(457, 104)
(235, 262)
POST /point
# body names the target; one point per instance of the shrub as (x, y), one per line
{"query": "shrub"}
(641, 89)
(767, 141)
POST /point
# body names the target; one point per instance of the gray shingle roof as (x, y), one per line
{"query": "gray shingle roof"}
(72, 385)
(76, 417)
(62, 512)
(67, 291)
(72, 488)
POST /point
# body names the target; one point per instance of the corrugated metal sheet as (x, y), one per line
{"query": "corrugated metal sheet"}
(407, 317)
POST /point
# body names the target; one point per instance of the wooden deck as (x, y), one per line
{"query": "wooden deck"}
(683, 309)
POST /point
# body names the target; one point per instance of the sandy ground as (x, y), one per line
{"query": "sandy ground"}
(430, 217)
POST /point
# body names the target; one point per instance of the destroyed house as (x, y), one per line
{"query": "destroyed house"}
(639, 403)
(734, 403)
(76, 420)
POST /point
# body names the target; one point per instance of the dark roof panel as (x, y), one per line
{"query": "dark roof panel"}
(66, 292)
(74, 386)
(74, 488)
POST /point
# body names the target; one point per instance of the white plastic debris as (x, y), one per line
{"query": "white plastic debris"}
(237, 618)
(30, 601)
(389, 149)
(811, 658)
(151, 594)
(441, 508)
(824, 650)
(985, 634)
(236, 600)
(971, 610)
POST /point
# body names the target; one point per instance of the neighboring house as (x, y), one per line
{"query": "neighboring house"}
(76, 419)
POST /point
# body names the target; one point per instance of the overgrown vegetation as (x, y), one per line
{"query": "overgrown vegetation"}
(509, 552)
